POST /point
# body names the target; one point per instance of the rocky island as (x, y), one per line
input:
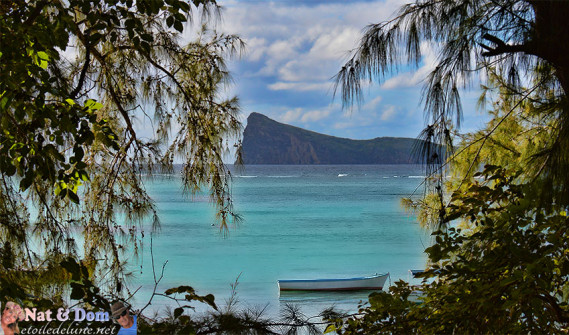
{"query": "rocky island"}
(266, 141)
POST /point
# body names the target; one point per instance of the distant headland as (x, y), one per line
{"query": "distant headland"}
(266, 141)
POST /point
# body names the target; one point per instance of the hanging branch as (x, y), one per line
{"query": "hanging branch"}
(156, 280)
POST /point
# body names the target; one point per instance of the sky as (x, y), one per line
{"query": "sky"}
(294, 49)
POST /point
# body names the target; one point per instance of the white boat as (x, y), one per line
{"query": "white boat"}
(375, 282)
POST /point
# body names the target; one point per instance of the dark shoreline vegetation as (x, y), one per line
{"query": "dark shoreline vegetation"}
(498, 262)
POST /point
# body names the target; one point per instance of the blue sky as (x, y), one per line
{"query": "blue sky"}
(295, 47)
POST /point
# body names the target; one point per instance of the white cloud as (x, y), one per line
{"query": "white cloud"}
(299, 86)
(283, 49)
(315, 115)
(294, 49)
(256, 48)
(357, 119)
(291, 116)
(343, 125)
(300, 115)
(388, 113)
(301, 45)
(334, 44)
(369, 116)
(372, 104)
(414, 78)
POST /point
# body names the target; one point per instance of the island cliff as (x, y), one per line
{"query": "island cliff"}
(266, 141)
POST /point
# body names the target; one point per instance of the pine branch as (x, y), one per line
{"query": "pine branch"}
(156, 280)
(501, 47)
(81, 81)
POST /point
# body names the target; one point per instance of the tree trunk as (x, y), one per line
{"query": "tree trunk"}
(551, 36)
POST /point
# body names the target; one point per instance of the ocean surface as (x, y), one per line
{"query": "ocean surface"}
(299, 222)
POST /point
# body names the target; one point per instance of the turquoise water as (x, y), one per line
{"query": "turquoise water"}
(299, 222)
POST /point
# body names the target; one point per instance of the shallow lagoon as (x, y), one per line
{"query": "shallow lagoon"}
(299, 222)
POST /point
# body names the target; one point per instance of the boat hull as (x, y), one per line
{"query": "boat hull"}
(375, 282)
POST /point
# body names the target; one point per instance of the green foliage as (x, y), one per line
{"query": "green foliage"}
(190, 295)
(508, 274)
(498, 262)
(229, 319)
(501, 266)
(82, 287)
(511, 268)
(75, 78)
(517, 39)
